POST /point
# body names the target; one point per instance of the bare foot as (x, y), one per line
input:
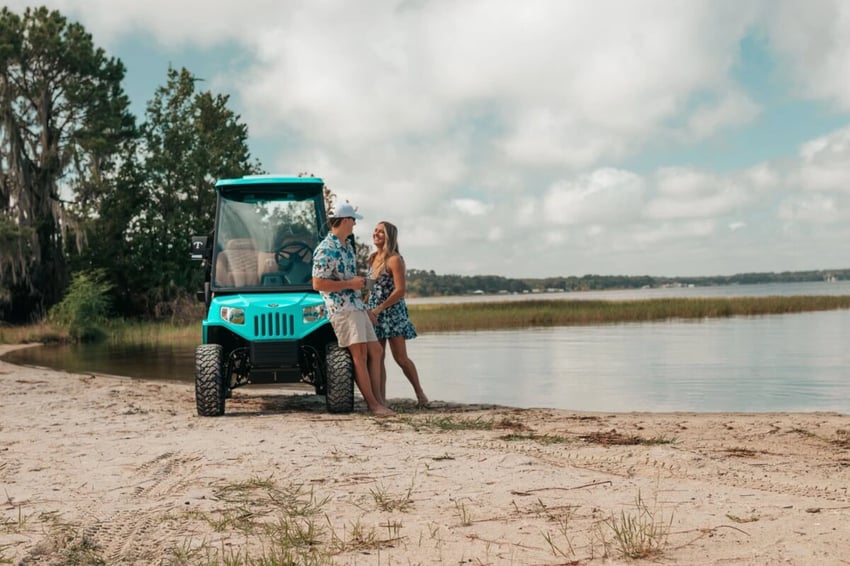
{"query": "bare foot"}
(422, 400)
(381, 411)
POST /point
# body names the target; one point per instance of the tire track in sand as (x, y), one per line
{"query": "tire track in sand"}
(133, 536)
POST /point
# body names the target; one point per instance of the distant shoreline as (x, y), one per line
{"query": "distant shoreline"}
(734, 290)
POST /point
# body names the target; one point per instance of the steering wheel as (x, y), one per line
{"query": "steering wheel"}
(290, 253)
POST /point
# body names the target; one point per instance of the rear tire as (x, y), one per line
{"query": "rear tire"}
(339, 394)
(209, 380)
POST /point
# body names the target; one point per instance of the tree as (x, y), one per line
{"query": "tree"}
(190, 140)
(62, 116)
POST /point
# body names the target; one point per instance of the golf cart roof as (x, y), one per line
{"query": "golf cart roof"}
(252, 180)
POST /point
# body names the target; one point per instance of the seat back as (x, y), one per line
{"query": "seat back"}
(237, 263)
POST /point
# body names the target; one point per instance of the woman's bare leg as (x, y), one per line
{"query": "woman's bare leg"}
(398, 346)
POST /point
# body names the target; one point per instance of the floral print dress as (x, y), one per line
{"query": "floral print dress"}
(395, 320)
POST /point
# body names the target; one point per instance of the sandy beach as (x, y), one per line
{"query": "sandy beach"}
(106, 470)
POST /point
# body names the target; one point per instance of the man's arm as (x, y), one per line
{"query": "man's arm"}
(333, 286)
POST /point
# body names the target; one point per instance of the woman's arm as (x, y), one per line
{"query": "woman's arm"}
(395, 265)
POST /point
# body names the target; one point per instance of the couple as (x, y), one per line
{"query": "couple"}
(355, 323)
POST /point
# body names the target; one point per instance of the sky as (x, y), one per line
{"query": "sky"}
(539, 138)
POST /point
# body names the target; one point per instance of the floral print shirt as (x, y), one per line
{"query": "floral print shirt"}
(335, 259)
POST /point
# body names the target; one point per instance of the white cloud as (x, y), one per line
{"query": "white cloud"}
(606, 195)
(653, 235)
(529, 138)
(734, 109)
(811, 209)
(686, 193)
(470, 207)
(826, 163)
(813, 40)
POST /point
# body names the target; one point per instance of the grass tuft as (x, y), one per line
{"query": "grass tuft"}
(539, 438)
(386, 501)
(463, 513)
(642, 533)
(448, 423)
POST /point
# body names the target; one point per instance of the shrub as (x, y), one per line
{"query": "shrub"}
(85, 307)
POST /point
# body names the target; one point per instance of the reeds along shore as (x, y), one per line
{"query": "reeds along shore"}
(524, 314)
(487, 316)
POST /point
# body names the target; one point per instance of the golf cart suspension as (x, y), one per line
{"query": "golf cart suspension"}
(312, 370)
(239, 366)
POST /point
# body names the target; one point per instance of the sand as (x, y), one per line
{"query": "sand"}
(106, 470)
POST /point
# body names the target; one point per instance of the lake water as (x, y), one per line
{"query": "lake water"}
(796, 362)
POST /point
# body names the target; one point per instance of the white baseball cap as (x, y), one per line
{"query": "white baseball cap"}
(345, 210)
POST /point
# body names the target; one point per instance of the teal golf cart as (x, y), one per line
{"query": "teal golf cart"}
(264, 323)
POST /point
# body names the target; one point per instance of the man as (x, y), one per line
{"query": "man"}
(335, 278)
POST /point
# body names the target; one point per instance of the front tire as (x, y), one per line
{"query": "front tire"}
(339, 394)
(209, 380)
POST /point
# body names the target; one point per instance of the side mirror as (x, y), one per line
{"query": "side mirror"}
(199, 247)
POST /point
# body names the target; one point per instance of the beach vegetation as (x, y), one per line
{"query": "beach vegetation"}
(639, 533)
(449, 423)
(464, 513)
(83, 551)
(614, 438)
(359, 538)
(15, 525)
(84, 310)
(534, 437)
(182, 327)
(386, 501)
(560, 542)
(283, 525)
(393, 529)
(500, 315)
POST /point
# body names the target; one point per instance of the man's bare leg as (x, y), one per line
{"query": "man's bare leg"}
(375, 354)
(364, 383)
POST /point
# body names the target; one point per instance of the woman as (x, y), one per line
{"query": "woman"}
(386, 301)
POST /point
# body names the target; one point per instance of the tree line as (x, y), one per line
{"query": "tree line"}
(425, 283)
(84, 188)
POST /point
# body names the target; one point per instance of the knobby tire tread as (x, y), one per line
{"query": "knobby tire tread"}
(209, 380)
(339, 394)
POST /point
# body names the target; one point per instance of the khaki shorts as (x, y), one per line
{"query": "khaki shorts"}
(353, 327)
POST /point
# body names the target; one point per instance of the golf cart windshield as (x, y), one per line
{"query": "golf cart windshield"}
(265, 240)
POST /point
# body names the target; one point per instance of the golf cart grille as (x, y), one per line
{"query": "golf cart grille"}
(274, 324)
(278, 354)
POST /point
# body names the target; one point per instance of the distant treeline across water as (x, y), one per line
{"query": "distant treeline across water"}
(423, 283)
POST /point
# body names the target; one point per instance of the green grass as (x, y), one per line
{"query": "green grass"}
(533, 437)
(447, 423)
(387, 501)
(483, 316)
(531, 313)
(641, 533)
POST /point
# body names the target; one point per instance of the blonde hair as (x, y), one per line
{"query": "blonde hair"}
(379, 258)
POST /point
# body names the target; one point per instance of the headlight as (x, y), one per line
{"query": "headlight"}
(233, 315)
(313, 313)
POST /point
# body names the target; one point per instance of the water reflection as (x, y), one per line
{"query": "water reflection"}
(146, 362)
(776, 363)
(792, 362)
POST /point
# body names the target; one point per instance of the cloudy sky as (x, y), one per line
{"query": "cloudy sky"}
(535, 138)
